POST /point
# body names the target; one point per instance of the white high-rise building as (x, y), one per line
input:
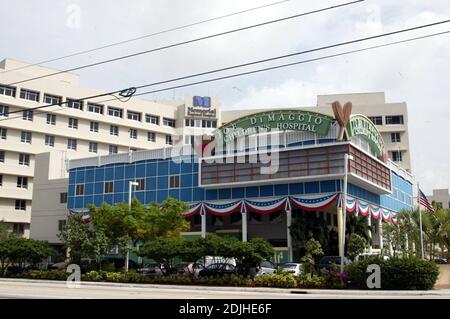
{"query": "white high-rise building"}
(91, 127)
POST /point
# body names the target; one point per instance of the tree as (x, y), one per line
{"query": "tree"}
(313, 251)
(163, 250)
(4, 233)
(82, 240)
(20, 251)
(356, 245)
(139, 223)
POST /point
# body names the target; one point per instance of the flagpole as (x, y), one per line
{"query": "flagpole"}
(420, 222)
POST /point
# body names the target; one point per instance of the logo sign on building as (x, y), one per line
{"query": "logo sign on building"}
(201, 107)
(202, 101)
(282, 120)
(360, 125)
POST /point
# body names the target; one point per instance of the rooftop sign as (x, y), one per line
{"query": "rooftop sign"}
(363, 126)
(282, 120)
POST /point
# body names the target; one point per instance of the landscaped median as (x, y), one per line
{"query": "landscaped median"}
(396, 274)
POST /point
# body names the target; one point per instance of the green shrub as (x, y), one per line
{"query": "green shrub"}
(310, 282)
(54, 274)
(276, 280)
(398, 273)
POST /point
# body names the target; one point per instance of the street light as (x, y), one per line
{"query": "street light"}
(130, 190)
(347, 157)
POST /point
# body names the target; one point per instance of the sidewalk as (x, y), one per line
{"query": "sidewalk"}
(437, 292)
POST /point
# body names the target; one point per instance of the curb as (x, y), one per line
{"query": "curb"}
(436, 292)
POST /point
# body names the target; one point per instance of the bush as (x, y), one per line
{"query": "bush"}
(311, 282)
(276, 280)
(398, 273)
(54, 274)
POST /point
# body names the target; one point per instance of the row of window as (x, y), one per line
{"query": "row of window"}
(200, 123)
(22, 181)
(24, 159)
(79, 105)
(389, 119)
(174, 182)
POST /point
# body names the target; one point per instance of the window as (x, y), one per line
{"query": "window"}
(73, 123)
(377, 120)
(93, 147)
(95, 108)
(397, 156)
(152, 119)
(141, 184)
(51, 119)
(113, 149)
(133, 133)
(209, 123)
(3, 133)
(394, 119)
(18, 228)
(21, 204)
(151, 136)
(25, 137)
(114, 130)
(75, 104)
(24, 159)
(22, 182)
(109, 187)
(72, 144)
(29, 95)
(1, 180)
(27, 115)
(49, 140)
(114, 111)
(135, 116)
(169, 139)
(79, 189)
(395, 137)
(168, 122)
(7, 90)
(174, 181)
(62, 198)
(189, 122)
(189, 139)
(2, 156)
(94, 127)
(4, 110)
(61, 224)
(52, 99)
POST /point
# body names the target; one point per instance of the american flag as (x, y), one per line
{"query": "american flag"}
(423, 200)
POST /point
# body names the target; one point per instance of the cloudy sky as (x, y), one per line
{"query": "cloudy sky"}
(416, 73)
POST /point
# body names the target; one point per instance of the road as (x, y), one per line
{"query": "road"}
(25, 289)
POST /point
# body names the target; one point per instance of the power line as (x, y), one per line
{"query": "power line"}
(145, 36)
(188, 42)
(248, 64)
(243, 73)
(293, 63)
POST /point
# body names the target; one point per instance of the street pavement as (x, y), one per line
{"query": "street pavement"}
(45, 289)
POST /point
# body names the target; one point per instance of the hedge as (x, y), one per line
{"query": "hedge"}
(396, 274)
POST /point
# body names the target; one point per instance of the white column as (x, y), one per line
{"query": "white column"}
(380, 231)
(369, 222)
(288, 232)
(244, 227)
(203, 215)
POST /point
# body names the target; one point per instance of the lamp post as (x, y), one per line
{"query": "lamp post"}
(130, 190)
(347, 157)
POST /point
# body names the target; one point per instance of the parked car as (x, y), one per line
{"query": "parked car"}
(152, 269)
(327, 262)
(195, 268)
(218, 269)
(119, 263)
(440, 261)
(367, 255)
(266, 267)
(292, 268)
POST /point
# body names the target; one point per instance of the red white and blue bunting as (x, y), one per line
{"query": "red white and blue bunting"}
(305, 202)
(264, 206)
(314, 203)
